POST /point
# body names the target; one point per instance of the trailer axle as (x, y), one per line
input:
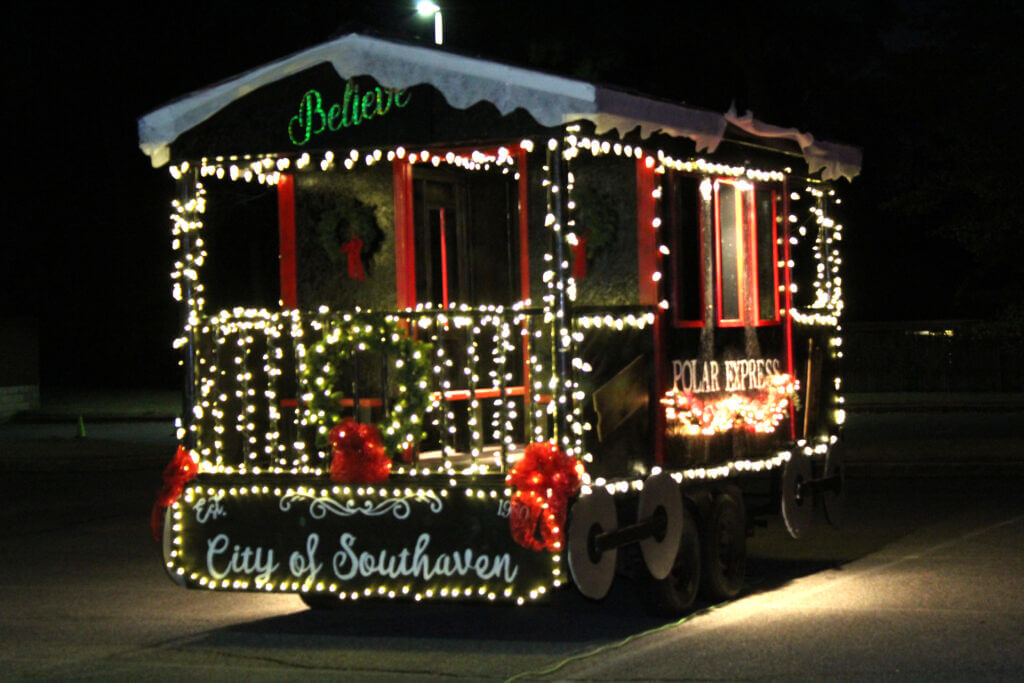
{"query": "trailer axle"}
(647, 527)
(833, 483)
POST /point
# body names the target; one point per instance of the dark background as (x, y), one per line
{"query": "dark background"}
(927, 89)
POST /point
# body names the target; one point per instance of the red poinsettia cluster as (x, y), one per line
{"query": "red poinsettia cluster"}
(358, 453)
(543, 480)
(178, 472)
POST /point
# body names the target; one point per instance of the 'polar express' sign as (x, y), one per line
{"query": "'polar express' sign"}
(710, 376)
(314, 116)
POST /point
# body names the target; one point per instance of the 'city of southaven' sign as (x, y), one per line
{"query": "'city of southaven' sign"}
(314, 117)
(407, 543)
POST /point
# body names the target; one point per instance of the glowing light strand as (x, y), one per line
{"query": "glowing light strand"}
(688, 415)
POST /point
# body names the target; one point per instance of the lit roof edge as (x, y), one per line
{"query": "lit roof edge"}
(463, 81)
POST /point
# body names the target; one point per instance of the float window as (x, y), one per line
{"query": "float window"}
(466, 237)
(766, 255)
(687, 284)
(746, 255)
(729, 240)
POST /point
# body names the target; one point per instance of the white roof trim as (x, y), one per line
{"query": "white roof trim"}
(832, 159)
(617, 109)
(465, 81)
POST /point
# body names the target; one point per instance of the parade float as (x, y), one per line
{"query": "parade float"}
(454, 329)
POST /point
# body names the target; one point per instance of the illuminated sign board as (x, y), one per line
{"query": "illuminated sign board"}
(709, 376)
(430, 543)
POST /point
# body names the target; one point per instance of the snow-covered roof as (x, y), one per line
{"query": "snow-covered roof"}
(465, 81)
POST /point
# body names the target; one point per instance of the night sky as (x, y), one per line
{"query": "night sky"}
(927, 89)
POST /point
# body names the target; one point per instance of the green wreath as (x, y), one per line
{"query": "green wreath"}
(322, 375)
(597, 218)
(347, 218)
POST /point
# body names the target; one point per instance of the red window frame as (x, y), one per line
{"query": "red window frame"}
(405, 246)
(746, 255)
(405, 254)
(739, 242)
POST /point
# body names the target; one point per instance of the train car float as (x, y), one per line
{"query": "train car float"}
(460, 330)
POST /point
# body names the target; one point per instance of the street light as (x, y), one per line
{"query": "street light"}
(426, 8)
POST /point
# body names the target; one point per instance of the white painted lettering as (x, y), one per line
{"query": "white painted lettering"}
(677, 373)
(209, 508)
(255, 562)
(302, 565)
(703, 377)
(348, 563)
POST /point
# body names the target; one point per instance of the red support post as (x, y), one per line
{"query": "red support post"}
(405, 253)
(787, 300)
(286, 240)
(646, 235)
(649, 287)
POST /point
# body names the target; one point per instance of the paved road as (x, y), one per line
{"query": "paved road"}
(926, 581)
(921, 585)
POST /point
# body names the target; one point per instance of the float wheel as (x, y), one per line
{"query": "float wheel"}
(589, 516)
(834, 499)
(725, 547)
(797, 504)
(660, 498)
(674, 594)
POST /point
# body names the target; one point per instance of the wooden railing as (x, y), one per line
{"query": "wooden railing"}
(269, 385)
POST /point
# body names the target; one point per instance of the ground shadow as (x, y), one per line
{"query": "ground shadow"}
(565, 617)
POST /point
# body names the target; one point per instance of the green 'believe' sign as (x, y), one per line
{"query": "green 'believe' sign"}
(355, 108)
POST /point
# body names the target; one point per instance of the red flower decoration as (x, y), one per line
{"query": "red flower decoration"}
(178, 472)
(544, 480)
(358, 453)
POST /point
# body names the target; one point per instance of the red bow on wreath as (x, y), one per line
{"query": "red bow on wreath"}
(353, 249)
(544, 480)
(178, 472)
(358, 453)
(579, 257)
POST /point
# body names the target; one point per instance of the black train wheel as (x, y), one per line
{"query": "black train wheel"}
(725, 547)
(675, 594)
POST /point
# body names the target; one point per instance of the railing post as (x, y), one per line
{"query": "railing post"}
(190, 314)
(561, 337)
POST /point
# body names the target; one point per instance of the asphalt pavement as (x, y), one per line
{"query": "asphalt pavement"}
(922, 582)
